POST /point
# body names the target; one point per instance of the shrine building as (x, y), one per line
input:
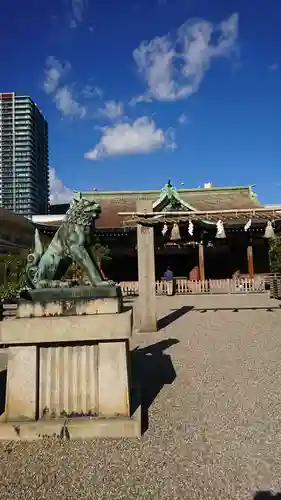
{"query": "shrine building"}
(193, 248)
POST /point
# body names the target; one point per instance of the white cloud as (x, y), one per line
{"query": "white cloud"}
(112, 110)
(62, 95)
(77, 12)
(174, 67)
(67, 105)
(182, 119)
(126, 139)
(59, 193)
(54, 71)
(89, 92)
(273, 67)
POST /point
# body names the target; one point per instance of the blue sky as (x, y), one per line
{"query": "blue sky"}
(137, 92)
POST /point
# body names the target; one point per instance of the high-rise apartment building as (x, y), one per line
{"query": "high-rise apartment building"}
(24, 156)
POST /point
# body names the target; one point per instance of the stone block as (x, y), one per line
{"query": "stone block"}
(66, 329)
(113, 379)
(21, 391)
(100, 306)
(78, 307)
(77, 428)
(33, 310)
(85, 292)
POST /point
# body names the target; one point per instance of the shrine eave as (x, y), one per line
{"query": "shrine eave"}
(50, 229)
(257, 215)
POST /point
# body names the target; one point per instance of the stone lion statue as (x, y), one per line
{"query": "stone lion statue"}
(71, 243)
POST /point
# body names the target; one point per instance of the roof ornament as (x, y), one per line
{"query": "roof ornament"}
(170, 200)
(220, 230)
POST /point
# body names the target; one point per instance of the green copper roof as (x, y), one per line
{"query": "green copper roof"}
(170, 199)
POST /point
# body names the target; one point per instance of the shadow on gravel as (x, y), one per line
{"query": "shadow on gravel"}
(236, 309)
(3, 379)
(151, 370)
(172, 316)
(266, 495)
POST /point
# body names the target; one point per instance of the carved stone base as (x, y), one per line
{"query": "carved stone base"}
(67, 381)
(72, 369)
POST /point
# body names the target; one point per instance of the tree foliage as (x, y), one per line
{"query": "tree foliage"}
(100, 252)
(275, 255)
(12, 274)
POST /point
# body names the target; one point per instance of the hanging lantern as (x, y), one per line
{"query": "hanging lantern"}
(220, 230)
(190, 228)
(175, 233)
(248, 225)
(269, 231)
(165, 229)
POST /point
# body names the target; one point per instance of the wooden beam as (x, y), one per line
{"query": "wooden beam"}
(250, 260)
(259, 214)
(232, 212)
(201, 261)
(145, 312)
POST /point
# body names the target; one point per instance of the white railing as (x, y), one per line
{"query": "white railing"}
(183, 287)
(129, 287)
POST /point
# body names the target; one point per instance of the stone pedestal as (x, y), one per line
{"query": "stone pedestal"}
(65, 367)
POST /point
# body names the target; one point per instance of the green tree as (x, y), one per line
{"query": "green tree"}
(12, 274)
(275, 255)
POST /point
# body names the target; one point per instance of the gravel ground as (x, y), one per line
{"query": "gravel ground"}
(212, 379)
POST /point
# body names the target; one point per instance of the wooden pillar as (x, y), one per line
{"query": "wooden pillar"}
(250, 260)
(145, 313)
(201, 261)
